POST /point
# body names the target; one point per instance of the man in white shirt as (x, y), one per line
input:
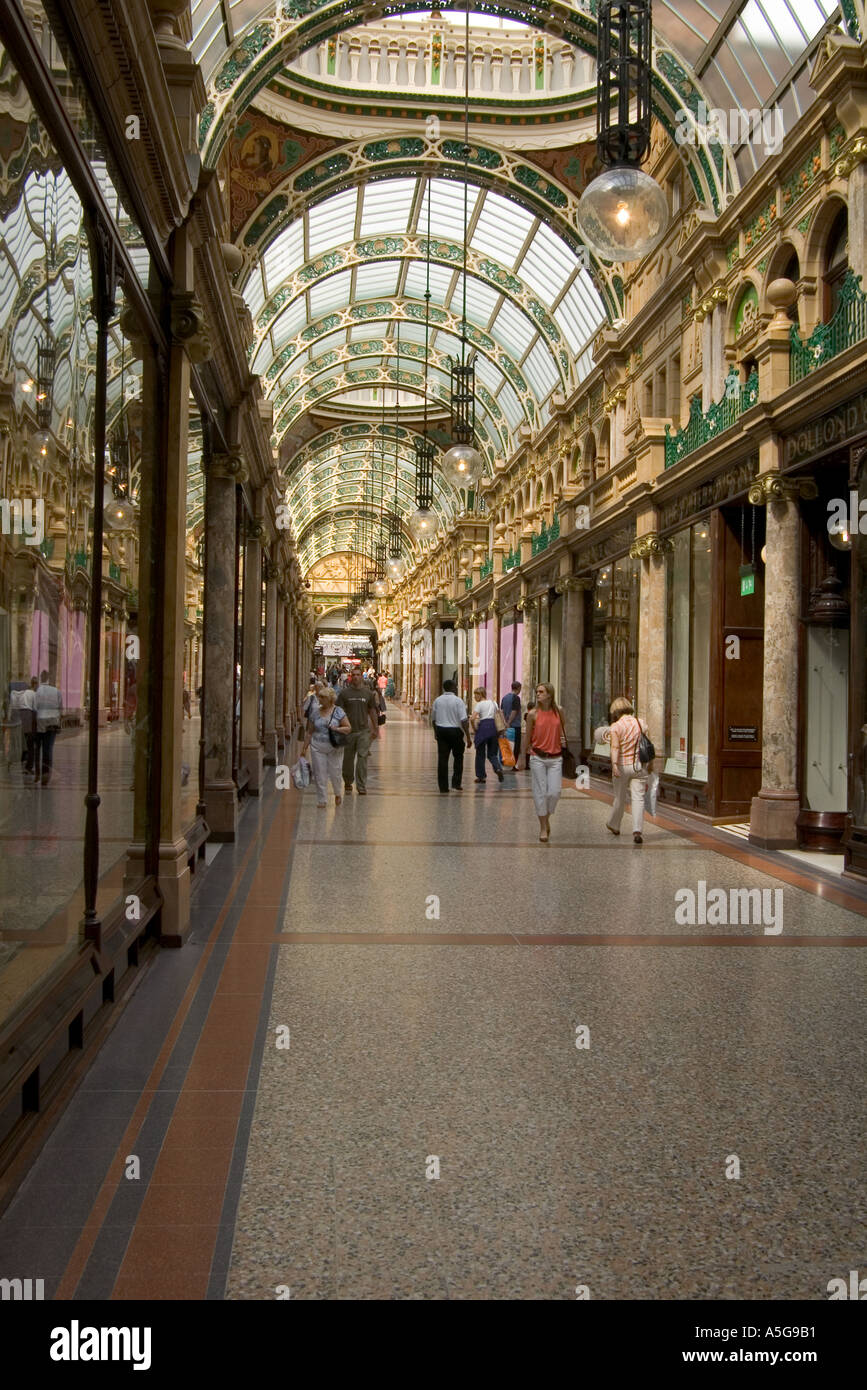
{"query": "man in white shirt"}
(451, 728)
(26, 705)
(49, 708)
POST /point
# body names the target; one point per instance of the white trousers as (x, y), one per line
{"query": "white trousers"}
(636, 783)
(546, 779)
(327, 766)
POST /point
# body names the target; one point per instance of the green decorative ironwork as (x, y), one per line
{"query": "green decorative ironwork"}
(532, 179)
(512, 560)
(46, 549)
(113, 571)
(249, 48)
(703, 427)
(485, 159)
(80, 562)
(850, 14)
(320, 173)
(546, 537)
(468, 582)
(407, 147)
(270, 211)
(488, 567)
(847, 325)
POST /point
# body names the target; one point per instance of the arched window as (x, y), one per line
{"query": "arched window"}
(836, 261)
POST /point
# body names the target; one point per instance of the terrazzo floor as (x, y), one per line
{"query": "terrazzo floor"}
(411, 1053)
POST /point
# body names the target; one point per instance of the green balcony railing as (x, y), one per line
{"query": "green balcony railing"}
(545, 537)
(46, 549)
(468, 582)
(488, 567)
(847, 325)
(81, 559)
(512, 560)
(704, 426)
(113, 571)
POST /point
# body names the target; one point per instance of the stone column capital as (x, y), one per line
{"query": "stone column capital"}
(188, 326)
(254, 529)
(649, 544)
(228, 465)
(775, 487)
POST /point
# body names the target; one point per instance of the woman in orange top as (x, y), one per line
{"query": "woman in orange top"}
(546, 739)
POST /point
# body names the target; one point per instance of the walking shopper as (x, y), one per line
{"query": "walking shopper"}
(27, 715)
(486, 735)
(360, 704)
(546, 739)
(327, 730)
(451, 728)
(48, 710)
(627, 772)
(511, 707)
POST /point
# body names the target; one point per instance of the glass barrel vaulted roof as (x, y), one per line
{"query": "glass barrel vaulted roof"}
(531, 307)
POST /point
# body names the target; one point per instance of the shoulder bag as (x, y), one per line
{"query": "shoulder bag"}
(570, 771)
(499, 720)
(335, 737)
(645, 753)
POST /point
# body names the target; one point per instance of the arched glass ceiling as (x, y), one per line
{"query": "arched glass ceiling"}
(528, 296)
(353, 474)
(751, 54)
(743, 53)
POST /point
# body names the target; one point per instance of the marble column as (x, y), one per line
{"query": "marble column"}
(530, 607)
(270, 721)
(570, 675)
(651, 550)
(251, 646)
(856, 167)
(774, 812)
(280, 673)
(221, 794)
(495, 693)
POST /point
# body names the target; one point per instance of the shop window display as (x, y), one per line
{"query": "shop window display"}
(688, 653)
(611, 667)
(52, 419)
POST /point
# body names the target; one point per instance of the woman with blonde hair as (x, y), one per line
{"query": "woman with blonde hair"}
(626, 771)
(546, 739)
(327, 727)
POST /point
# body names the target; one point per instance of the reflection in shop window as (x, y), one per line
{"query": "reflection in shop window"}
(688, 653)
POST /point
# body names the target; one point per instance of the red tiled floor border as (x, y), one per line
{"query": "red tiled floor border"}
(115, 1174)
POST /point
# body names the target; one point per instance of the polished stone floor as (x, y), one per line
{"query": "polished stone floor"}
(411, 1053)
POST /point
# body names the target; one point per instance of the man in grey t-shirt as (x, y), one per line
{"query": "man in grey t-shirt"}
(360, 704)
(451, 728)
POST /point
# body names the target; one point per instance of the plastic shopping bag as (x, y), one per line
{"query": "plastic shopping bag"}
(507, 752)
(301, 774)
(652, 792)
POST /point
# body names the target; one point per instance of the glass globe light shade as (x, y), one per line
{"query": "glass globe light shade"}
(840, 540)
(423, 523)
(622, 214)
(396, 567)
(43, 448)
(380, 588)
(462, 465)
